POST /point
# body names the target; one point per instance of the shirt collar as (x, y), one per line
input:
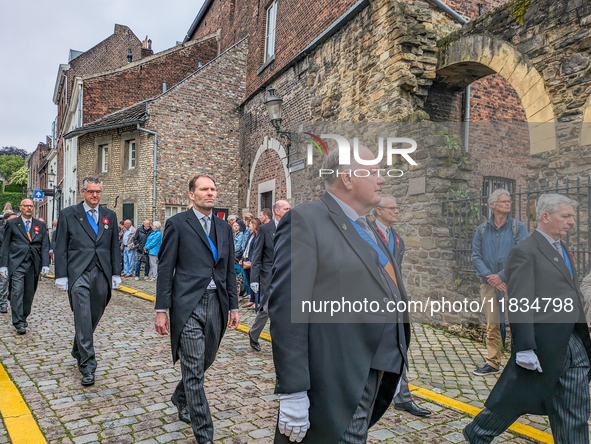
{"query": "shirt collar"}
(349, 212)
(200, 215)
(25, 219)
(382, 227)
(276, 222)
(548, 238)
(87, 207)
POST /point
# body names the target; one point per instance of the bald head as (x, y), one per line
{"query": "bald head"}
(27, 208)
(280, 208)
(127, 224)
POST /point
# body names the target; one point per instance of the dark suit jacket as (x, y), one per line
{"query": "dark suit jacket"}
(16, 245)
(535, 271)
(185, 267)
(319, 256)
(76, 244)
(262, 260)
(398, 245)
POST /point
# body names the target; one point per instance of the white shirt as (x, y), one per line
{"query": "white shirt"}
(25, 221)
(349, 212)
(552, 242)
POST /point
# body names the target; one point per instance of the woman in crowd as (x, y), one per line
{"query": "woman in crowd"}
(239, 238)
(152, 247)
(247, 218)
(246, 263)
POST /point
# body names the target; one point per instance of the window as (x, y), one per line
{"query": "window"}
(128, 212)
(270, 33)
(171, 210)
(267, 200)
(130, 154)
(104, 156)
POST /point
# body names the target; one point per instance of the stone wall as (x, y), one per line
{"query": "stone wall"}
(120, 184)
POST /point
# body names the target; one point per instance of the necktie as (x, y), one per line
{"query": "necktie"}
(28, 224)
(558, 248)
(362, 222)
(206, 224)
(93, 214)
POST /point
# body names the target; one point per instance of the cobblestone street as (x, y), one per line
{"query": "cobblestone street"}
(135, 378)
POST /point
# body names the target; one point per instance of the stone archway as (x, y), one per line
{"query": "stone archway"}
(469, 58)
(269, 143)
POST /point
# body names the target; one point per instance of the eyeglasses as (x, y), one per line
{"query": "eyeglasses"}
(28, 206)
(97, 192)
(390, 208)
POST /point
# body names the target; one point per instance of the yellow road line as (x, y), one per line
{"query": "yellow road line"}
(522, 429)
(18, 420)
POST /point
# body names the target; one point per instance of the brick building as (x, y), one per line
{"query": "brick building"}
(117, 50)
(38, 163)
(196, 122)
(286, 52)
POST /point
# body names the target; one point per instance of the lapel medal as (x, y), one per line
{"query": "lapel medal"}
(397, 240)
(106, 222)
(36, 229)
(556, 259)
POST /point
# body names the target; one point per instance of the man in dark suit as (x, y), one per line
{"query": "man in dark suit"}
(197, 285)
(88, 265)
(25, 255)
(9, 214)
(548, 372)
(386, 214)
(260, 274)
(343, 366)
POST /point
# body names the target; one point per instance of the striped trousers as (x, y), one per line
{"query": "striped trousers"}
(569, 410)
(198, 345)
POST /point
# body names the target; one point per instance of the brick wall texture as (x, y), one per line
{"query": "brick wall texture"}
(106, 93)
(197, 122)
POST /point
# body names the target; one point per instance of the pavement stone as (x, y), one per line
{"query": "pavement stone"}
(123, 407)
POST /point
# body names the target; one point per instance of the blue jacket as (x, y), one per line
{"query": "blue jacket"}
(490, 252)
(153, 243)
(239, 244)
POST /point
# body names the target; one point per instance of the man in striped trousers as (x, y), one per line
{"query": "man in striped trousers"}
(548, 373)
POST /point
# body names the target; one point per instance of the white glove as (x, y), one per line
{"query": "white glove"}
(528, 360)
(44, 270)
(115, 281)
(293, 415)
(254, 286)
(62, 283)
(4, 272)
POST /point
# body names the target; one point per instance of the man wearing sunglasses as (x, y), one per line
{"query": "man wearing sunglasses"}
(87, 265)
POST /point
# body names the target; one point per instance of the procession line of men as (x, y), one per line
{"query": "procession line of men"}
(323, 250)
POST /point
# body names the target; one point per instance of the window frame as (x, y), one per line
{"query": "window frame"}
(129, 143)
(273, 10)
(104, 158)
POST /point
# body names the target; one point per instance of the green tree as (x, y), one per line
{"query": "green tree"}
(20, 176)
(9, 164)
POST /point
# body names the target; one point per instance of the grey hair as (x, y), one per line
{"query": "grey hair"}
(157, 224)
(492, 199)
(548, 203)
(91, 179)
(232, 217)
(331, 162)
(382, 203)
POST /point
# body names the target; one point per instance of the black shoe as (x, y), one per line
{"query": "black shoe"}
(87, 379)
(412, 408)
(486, 370)
(21, 330)
(3, 310)
(182, 408)
(207, 442)
(254, 344)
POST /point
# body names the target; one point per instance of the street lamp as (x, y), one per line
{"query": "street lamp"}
(51, 180)
(274, 105)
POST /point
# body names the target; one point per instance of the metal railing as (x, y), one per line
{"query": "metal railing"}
(463, 210)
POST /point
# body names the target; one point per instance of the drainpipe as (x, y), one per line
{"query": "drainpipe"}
(460, 19)
(154, 175)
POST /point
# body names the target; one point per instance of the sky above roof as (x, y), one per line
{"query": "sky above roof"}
(37, 36)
